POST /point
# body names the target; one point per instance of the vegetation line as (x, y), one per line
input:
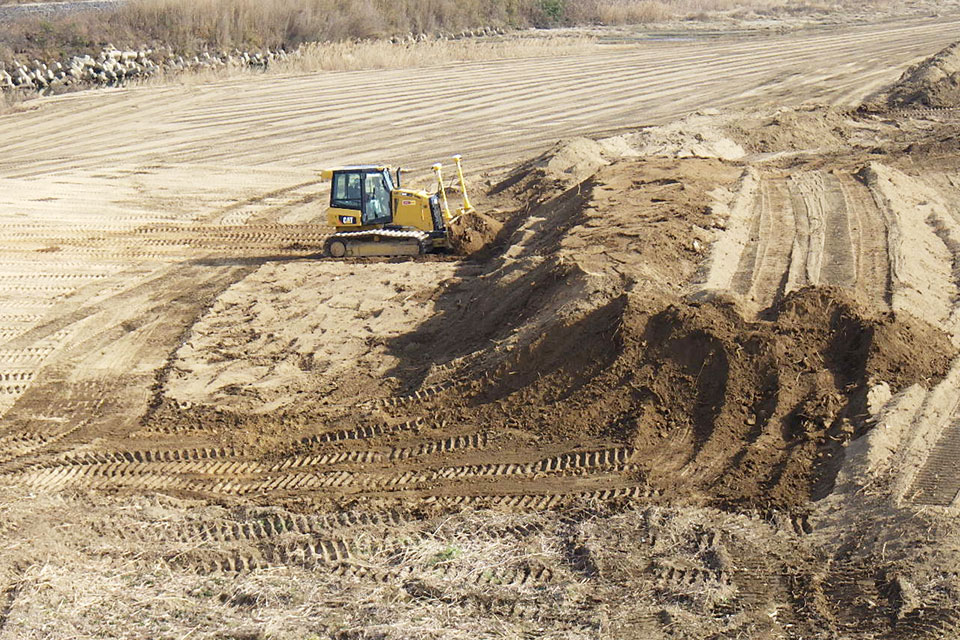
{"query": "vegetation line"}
(193, 26)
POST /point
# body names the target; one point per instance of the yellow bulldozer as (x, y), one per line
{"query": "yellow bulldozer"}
(374, 216)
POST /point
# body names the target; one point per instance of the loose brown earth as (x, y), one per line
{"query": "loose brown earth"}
(695, 380)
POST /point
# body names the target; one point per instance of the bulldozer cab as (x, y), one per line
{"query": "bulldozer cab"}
(365, 190)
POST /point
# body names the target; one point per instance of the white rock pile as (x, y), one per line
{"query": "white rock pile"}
(113, 67)
(412, 38)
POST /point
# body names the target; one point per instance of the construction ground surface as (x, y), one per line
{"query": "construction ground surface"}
(697, 376)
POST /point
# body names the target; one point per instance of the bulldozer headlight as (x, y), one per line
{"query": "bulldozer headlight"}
(348, 220)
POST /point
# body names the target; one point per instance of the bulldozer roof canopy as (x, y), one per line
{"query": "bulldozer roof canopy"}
(328, 173)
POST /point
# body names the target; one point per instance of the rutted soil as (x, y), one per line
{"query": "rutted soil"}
(673, 368)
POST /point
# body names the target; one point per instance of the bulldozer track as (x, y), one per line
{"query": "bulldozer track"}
(146, 456)
(938, 482)
(543, 501)
(924, 111)
(258, 528)
(526, 575)
(939, 621)
(365, 433)
(185, 469)
(453, 443)
(812, 228)
(8, 598)
(326, 459)
(16, 446)
(420, 395)
(501, 605)
(687, 576)
(308, 553)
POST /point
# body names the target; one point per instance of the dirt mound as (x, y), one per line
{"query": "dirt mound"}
(473, 232)
(935, 82)
(700, 135)
(564, 165)
(745, 412)
(790, 130)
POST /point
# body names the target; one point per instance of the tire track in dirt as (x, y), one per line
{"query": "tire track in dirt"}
(288, 115)
(811, 228)
(230, 471)
(284, 114)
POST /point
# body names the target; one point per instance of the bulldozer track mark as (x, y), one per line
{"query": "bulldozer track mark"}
(15, 377)
(420, 395)
(924, 111)
(13, 447)
(616, 458)
(762, 279)
(177, 429)
(543, 501)
(837, 264)
(266, 526)
(611, 460)
(484, 603)
(364, 433)
(688, 576)
(346, 457)
(39, 288)
(869, 236)
(33, 277)
(849, 588)
(756, 581)
(103, 477)
(146, 456)
(234, 210)
(156, 475)
(941, 620)
(938, 481)
(21, 318)
(311, 551)
(8, 597)
(523, 576)
(453, 443)
(306, 553)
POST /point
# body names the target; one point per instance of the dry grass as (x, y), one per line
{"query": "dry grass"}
(256, 24)
(81, 566)
(383, 55)
(358, 56)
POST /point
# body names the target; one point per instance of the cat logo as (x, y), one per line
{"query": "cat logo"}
(407, 203)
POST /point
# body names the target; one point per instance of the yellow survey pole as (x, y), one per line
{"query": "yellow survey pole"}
(463, 185)
(443, 192)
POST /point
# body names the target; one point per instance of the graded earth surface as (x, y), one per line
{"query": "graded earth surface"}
(693, 375)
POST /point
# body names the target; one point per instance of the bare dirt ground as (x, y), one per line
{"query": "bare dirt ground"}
(701, 384)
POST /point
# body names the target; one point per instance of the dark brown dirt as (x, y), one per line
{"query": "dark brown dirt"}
(472, 232)
(753, 413)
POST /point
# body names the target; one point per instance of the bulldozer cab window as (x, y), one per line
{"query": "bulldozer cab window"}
(376, 194)
(345, 193)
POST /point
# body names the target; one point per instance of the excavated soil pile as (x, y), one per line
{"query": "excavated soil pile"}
(753, 412)
(472, 232)
(935, 82)
(596, 342)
